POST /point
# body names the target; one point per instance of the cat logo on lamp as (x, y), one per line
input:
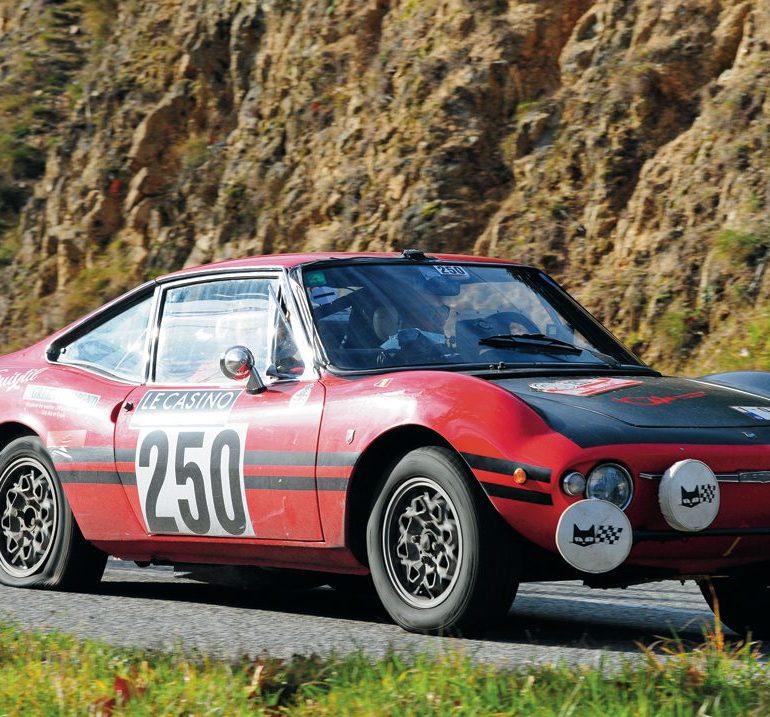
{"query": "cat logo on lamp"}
(595, 534)
(701, 494)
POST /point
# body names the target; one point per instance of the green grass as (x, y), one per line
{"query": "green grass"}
(109, 276)
(58, 675)
(743, 247)
(746, 350)
(9, 242)
(194, 152)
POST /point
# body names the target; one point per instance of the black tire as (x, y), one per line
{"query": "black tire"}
(40, 542)
(743, 603)
(430, 516)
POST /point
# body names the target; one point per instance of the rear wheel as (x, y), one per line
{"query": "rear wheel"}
(742, 603)
(440, 557)
(40, 543)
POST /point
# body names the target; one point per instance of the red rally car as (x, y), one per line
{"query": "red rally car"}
(452, 425)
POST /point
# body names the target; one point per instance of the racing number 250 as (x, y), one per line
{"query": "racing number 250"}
(195, 514)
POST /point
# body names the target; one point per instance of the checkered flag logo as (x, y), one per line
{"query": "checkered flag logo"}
(608, 534)
(699, 494)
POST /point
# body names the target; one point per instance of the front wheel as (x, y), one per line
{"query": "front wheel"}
(742, 603)
(40, 543)
(440, 557)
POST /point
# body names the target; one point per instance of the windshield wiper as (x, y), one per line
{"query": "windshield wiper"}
(540, 342)
(537, 341)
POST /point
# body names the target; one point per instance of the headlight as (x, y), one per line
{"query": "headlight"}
(610, 482)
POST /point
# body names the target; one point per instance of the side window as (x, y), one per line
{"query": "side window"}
(200, 321)
(116, 346)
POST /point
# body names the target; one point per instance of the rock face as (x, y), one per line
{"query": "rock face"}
(621, 144)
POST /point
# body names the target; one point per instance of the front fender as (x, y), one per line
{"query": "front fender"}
(756, 382)
(494, 431)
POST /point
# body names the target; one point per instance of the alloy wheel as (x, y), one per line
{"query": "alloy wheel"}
(422, 542)
(29, 517)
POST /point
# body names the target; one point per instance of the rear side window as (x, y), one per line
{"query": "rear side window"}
(116, 346)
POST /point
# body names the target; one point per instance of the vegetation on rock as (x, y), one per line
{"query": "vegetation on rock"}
(621, 144)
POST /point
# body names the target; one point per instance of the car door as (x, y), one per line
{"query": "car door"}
(212, 459)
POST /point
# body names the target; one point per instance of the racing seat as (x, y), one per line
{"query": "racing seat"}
(360, 333)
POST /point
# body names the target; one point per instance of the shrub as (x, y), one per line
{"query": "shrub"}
(744, 247)
(12, 198)
(27, 162)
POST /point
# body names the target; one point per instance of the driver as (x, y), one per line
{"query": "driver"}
(418, 327)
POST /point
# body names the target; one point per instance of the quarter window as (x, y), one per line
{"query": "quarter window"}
(116, 346)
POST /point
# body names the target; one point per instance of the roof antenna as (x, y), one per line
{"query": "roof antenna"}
(413, 254)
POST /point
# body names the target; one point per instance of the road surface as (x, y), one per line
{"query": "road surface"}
(548, 622)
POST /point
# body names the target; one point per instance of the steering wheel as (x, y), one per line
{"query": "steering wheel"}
(420, 349)
(388, 357)
(501, 323)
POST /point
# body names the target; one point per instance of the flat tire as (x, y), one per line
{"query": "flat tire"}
(40, 542)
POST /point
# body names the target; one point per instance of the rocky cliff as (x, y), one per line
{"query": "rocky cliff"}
(622, 144)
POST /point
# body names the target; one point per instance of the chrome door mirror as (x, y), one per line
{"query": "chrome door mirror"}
(237, 363)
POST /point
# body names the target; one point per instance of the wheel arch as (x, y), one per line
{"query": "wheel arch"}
(11, 430)
(71, 561)
(373, 464)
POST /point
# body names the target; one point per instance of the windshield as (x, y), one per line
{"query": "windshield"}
(372, 316)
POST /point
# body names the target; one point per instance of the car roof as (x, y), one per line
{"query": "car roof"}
(288, 261)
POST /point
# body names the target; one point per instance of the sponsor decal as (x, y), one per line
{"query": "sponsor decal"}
(450, 270)
(596, 534)
(659, 400)
(202, 407)
(11, 381)
(584, 386)
(701, 494)
(761, 413)
(186, 401)
(60, 396)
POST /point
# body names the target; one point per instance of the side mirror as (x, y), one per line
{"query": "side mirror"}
(237, 363)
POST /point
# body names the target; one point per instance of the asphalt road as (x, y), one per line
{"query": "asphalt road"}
(548, 622)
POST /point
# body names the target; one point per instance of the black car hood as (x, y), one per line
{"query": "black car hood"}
(649, 409)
